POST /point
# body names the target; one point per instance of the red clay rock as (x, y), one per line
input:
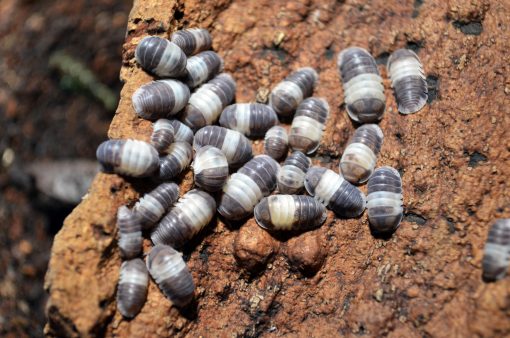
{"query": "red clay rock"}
(307, 252)
(253, 246)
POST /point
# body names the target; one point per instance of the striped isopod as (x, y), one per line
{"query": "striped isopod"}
(132, 288)
(162, 135)
(291, 178)
(182, 133)
(130, 233)
(207, 102)
(159, 99)
(235, 146)
(334, 192)
(178, 158)
(171, 274)
(128, 157)
(308, 125)
(408, 80)
(244, 189)
(210, 168)
(155, 203)
(287, 95)
(190, 214)
(360, 156)
(363, 88)
(384, 200)
(192, 40)
(289, 213)
(276, 142)
(497, 251)
(250, 119)
(202, 67)
(161, 57)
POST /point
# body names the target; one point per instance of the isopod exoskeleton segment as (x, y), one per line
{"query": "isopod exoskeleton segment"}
(182, 133)
(161, 57)
(291, 178)
(170, 272)
(308, 125)
(162, 135)
(384, 200)
(130, 233)
(235, 146)
(207, 102)
(497, 251)
(192, 40)
(335, 192)
(276, 142)
(202, 67)
(290, 213)
(244, 189)
(160, 99)
(363, 88)
(178, 158)
(151, 207)
(287, 95)
(408, 80)
(128, 157)
(132, 288)
(250, 119)
(360, 156)
(210, 168)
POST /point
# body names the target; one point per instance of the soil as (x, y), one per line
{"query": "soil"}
(454, 157)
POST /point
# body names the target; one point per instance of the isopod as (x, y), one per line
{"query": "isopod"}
(290, 213)
(130, 233)
(202, 67)
(291, 178)
(210, 168)
(128, 157)
(250, 119)
(171, 274)
(363, 88)
(161, 57)
(160, 99)
(497, 251)
(408, 80)
(235, 146)
(182, 133)
(207, 102)
(308, 125)
(151, 207)
(162, 135)
(244, 189)
(192, 40)
(132, 288)
(335, 192)
(178, 158)
(287, 95)
(360, 156)
(190, 214)
(384, 200)
(276, 142)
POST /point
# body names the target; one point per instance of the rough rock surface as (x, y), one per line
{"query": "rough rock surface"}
(454, 156)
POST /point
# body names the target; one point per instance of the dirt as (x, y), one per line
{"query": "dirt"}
(424, 281)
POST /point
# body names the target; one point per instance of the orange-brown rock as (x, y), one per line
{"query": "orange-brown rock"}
(307, 252)
(253, 246)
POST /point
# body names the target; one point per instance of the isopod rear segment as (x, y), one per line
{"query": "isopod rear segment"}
(161, 57)
(308, 125)
(496, 256)
(151, 207)
(178, 158)
(210, 168)
(276, 142)
(250, 119)
(291, 178)
(132, 287)
(128, 157)
(192, 40)
(160, 99)
(202, 67)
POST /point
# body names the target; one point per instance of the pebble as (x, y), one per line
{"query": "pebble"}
(253, 246)
(306, 252)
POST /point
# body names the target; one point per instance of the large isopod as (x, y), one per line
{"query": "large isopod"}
(192, 40)
(291, 179)
(151, 207)
(276, 142)
(497, 251)
(202, 67)
(182, 133)
(128, 157)
(250, 119)
(210, 168)
(160, 99)
(161, 57)
(132, 288)
(162, 135)
(178, 158)
(308, 125)
(130, 233)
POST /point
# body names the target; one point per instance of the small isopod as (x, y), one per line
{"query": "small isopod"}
(207, 102)
(128, 157)
(171, 274)
(408, 80)
(161, 57)
(202, 67)
(360, 156)
(276, 142)
(151, 207)
(308, 125)
(132, 288)
(291, 178)
(250, 119)
(130, 233)
(182, 133)
(335, 192)
(235, 146)
(244, 189)
(178, 158)
(363, 88)
(289, 213)
(162, 135)
(384, 200)
(160, 99)
(210, 168)
(287, 95)
(497, 251)
(190, 214)
(192, 40)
